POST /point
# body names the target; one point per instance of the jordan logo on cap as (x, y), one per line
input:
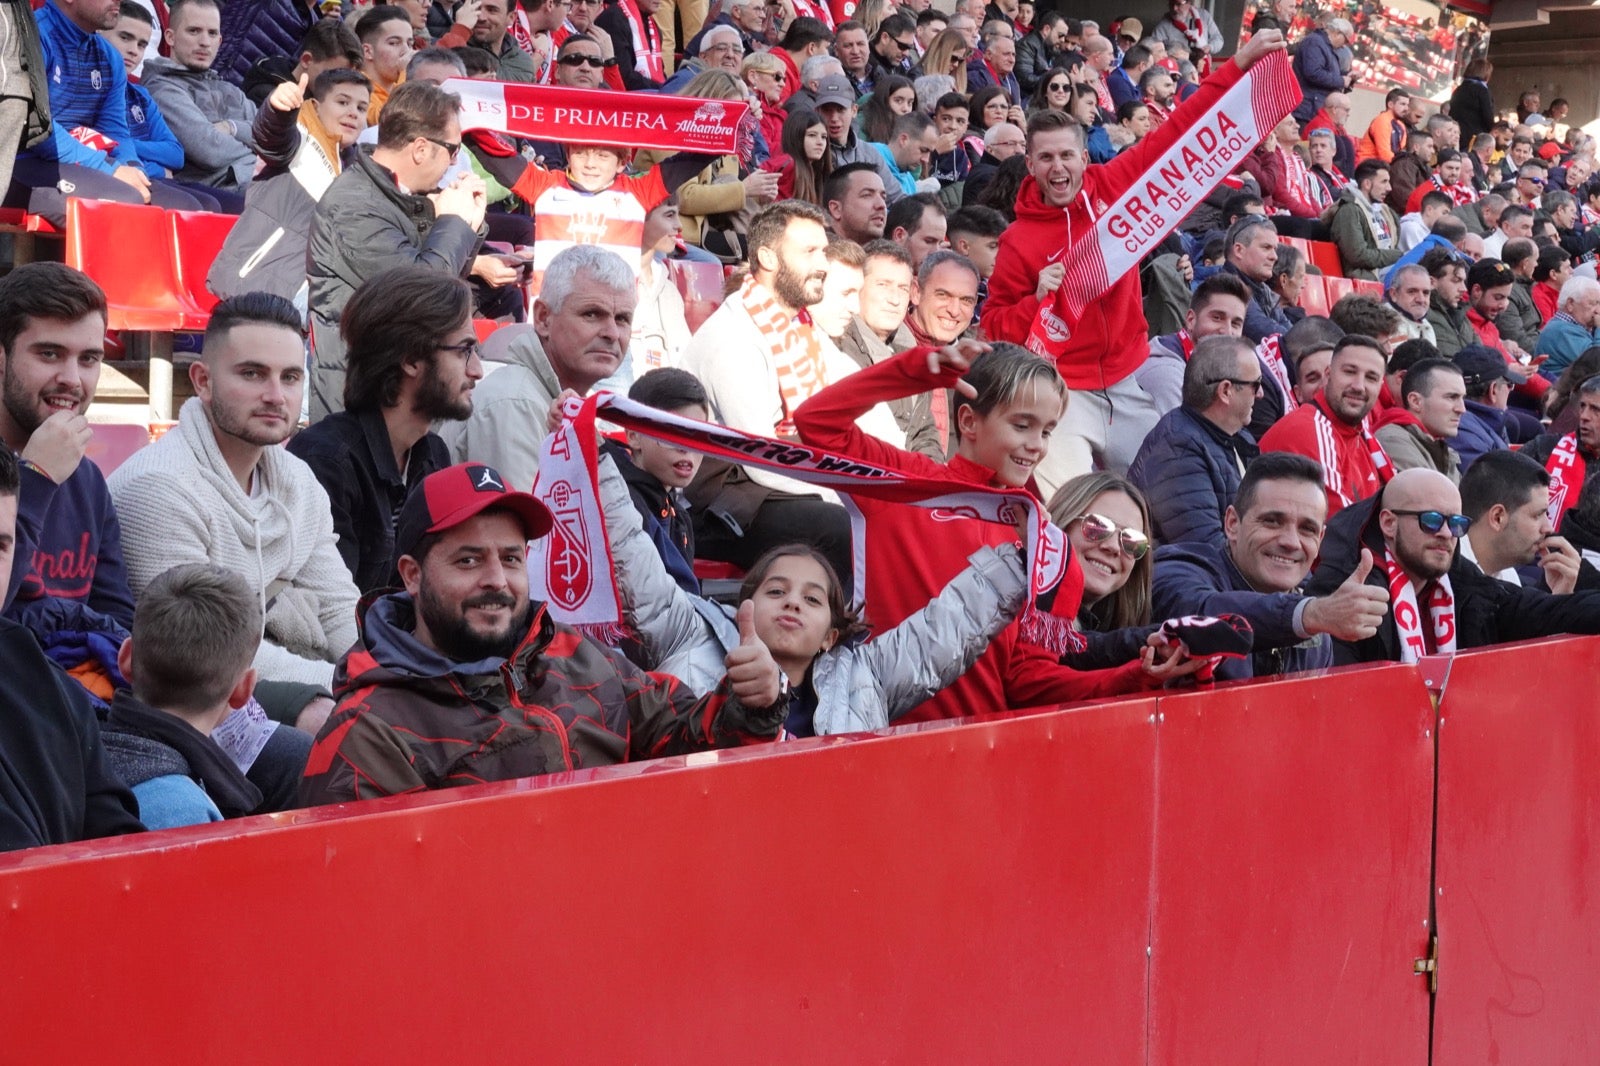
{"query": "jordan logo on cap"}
(485, 479)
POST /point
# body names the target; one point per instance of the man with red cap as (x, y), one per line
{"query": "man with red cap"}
(461, 679)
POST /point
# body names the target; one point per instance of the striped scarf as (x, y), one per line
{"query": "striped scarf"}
(793, 345)
(646, 43)
(1270, 352)
(1440, 637)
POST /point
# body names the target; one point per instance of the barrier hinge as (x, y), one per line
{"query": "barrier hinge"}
(1429, 965)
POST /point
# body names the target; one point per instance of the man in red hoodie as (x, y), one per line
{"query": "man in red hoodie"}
(1332, 430)
(1058, 204)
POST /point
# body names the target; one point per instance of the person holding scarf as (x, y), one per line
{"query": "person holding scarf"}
(1404, 540)
(636, 39)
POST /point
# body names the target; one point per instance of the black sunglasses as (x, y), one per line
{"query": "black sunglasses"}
(1434, 521)
(1059, 86)
(454, 148)
(1241, 383)
(575, 60)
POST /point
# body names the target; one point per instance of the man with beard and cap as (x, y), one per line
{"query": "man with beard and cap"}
(1332, 430)
(1404, 540)
(413, 360)
(461, 678)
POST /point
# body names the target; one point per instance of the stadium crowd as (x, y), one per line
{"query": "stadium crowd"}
(344, 572)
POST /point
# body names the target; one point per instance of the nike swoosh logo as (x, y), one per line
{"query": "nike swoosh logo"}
(1055, 255)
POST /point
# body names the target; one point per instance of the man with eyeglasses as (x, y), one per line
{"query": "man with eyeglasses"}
(720, 49)
(1190, 464)
(1038, 50)
(1271, 534)
(412, 360)
(1331, 429)
(894, 49)
(1000, 142)
(1404, 541)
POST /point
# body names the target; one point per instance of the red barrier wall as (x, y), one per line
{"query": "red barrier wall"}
(1518, 867)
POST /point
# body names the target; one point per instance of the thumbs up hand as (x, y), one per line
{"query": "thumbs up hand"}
(289, 95)
(752, 673)
(1354, 610)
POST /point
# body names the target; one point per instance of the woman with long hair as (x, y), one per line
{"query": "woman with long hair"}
(948, 54)
(989, 106)
(892, 97)
(806, 159)
(871, 13)
(729, 184)
(1107, 521)
(1053, 93)
(1001, 192)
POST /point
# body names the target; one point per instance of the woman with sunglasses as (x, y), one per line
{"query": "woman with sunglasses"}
(1053, 93)
(1108, 523)
(948, 54)
(767, 79)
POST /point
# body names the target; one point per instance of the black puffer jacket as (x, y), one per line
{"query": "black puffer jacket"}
(255, 29)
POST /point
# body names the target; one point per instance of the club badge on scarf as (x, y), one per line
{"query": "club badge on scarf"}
(571, 569)
(1210, 148)
(1567, 469)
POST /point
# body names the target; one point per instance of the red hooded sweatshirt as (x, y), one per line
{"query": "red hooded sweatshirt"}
(913, 552)
(1112, 339)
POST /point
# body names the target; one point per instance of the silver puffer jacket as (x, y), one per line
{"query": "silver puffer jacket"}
(859, 686)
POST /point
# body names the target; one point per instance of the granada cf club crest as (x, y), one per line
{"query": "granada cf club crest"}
(569, 573)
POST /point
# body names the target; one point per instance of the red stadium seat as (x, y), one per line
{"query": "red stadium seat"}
(125, 249)
(196, 238)
(1373, 289)
(1338, 288)
(485, 328)
(1314, 296)
(113, 442)
(16, 220)
(1324, 255)
(711, 570)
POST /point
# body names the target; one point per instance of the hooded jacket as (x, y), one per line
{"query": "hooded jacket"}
(409, 718)
(1112, 339)
(191, 101)
(1189, 470)
(1487, 610)
(165, 759)
(179, 503)
(1408, 444)
(55, 787)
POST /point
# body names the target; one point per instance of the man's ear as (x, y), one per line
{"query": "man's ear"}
(410, 573)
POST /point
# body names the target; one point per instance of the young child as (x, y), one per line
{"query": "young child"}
(975, 233)
(1008, 402)
(657, 472)
(194, 635)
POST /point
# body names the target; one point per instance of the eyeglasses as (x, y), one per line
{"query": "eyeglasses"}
(1532, 181)
(1097, 528)
(575, 60)
(1059, 86)
(454, 148)
(466, 349)
(1242, 383)
(726, 46)
(1434, 521)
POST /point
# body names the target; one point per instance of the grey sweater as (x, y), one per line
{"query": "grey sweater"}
(193, 102)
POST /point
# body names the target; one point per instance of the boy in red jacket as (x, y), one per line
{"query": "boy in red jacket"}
(1059, 203)
(1008, 403)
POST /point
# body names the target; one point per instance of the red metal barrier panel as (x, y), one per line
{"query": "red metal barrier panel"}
(1518, 869)
(1291, 872)
(968, 894)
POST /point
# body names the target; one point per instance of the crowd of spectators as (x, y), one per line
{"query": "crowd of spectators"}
(225, 626)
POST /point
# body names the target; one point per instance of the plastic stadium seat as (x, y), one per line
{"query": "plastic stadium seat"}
(1373, 289)
(1314, 296)
(114, 442)
(711, 570)
(124, 248)
(1338, 288)
(16, 220)
(195, 239)
(485, 328)
(1324, 255)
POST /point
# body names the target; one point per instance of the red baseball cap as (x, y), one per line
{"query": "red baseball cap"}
(448, 497)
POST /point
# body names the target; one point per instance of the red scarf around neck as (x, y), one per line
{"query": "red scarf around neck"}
(1439, 636)
(1567, 468)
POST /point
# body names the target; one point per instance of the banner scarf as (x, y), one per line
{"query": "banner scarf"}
(571, 569)
(1270, 352)
(1567, 469)
(1328, 455)
(1408, 617)
(598, 116)
(1213, 146)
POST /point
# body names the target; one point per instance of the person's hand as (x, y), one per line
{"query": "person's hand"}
(608, 49)
(1050, 279)
(1186, 268)
(957, 356)
(1560, 562)
(130, 175)
(1017, 117)
(467, 13)
(496, 270)
(947, 142)
(1258, 47)
(1351, 612)
(1165, 660)
(57, 446)
(752, 673)
(466, 198)
(761, 186)
(289, 95)
(554, 417)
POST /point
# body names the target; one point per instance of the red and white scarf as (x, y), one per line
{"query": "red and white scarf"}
(1295, 171)
(1567, 468)
(1440, 637)
(1328, 456)
(646, 42)
(794, 346)
(572, 571)
(1213, 145)
(1270, 352)
(809, 9)
(1194, 28)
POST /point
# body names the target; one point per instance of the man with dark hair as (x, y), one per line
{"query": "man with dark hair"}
(1271, 532)
(328, 45)
(1331, 429)
(1447, 312)
(211, 118)
(544, 698)
(909, 153)
(918, 224)
(1572, 459)
(218, 489)
(836, 103)
(1252, 249)
(57, 788)
(1189, 466)
(387, 42)
(1366, 231)
(379, 214)
(1418, 433)
(413, 360)
(1489, 284)
(187, 662)
(893, 49)
(880, 330)
(1038, 50)
(1515, 221)
(1308, 349)
(854, 196)
(944, 300)
(1403, 541)
(489, 33)
(1123, 82)
(975, 232)
(803, 38)
(1509, 499)
(66, 571)
(1217, 309)
(1521, 321)
(1386, 136)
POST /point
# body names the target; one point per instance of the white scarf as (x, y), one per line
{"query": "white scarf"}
(1408, 616)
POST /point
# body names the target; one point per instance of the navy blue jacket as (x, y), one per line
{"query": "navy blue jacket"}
(1202, 579)
(69, 545)
(1483, 429)
(1316, 68)
(252, 30)
(1264, 316)
(1189, 470)
(1121, 87)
